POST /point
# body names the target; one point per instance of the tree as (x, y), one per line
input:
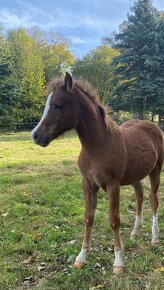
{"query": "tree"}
(7, 100)
(157, 107)
(56, 55)
(96, 68)
(57, 58)
(28, 76)
(137, 67)
(28, 60)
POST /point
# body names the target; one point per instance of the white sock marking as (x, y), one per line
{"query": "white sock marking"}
(82, 256)
(118, 262)
(137, 225)
(155, 229)
(47, 106)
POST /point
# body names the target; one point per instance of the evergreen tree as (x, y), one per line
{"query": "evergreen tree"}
(137, 76)
(157, 107)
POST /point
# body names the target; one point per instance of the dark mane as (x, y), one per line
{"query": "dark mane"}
(83, 85)
(87, 90)
(93, 96)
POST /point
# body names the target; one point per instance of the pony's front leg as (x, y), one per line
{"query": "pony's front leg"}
(113, 191)
(90, 196)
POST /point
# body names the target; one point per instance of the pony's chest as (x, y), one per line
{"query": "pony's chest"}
(100, 171)
(96, 174)
(96, 177)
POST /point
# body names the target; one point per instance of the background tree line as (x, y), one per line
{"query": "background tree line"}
(127, 69)
(28, 60)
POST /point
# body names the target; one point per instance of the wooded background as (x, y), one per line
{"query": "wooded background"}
(127, 69)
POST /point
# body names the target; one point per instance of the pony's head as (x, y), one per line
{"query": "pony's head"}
(60, 113)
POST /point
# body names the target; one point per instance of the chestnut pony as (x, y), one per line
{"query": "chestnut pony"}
(111, 156)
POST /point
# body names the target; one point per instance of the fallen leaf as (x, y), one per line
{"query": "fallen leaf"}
(25, 194)
(71, 242)
(29, 281)
(104, 273)
(66, 271)
(5, 214)
(71, 259)
(110, 249)
(161, 269)
(29, 260)
(61, 259)
(57, 227)
(103, 237)
(37, 238)
(30, 278)
(98, 265)
(41, 268)
(100, 286)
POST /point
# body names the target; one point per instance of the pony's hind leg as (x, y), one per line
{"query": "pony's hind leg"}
(113, 191)
(90, 196)
(155, 181)
(139, 216)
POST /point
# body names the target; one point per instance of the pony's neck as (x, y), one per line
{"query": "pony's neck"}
(91, 129)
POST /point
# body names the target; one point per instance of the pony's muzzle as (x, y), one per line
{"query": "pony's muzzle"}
(36, 138)
(40, 138)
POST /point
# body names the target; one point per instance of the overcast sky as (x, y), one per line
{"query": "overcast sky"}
(83, 22)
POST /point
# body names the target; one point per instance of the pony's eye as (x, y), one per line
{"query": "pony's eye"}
(58, 106)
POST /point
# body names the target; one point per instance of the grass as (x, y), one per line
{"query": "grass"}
(41, 224)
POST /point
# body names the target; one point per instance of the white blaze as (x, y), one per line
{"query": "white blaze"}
(46, 109)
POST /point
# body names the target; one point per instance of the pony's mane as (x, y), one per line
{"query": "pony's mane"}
(86, 89)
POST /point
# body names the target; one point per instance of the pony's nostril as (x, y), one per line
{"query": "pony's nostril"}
(35, 135)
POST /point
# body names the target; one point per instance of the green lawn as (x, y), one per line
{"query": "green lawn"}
(41, 224)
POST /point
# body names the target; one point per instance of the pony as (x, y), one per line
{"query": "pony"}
(111, 156)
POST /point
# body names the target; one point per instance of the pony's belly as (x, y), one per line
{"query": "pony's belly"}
(137, 173)
(141, 160)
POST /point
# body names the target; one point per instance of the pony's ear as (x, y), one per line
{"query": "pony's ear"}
(68, 82)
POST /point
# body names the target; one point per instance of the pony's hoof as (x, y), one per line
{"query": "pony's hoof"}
(133, 237)
(118, 270)
(78, 265)
(155, 242)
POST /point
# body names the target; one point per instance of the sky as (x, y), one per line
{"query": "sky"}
(82, 22)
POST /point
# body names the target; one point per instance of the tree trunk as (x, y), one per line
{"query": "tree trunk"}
(152, 118)
(161, 122)
(141, 115)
